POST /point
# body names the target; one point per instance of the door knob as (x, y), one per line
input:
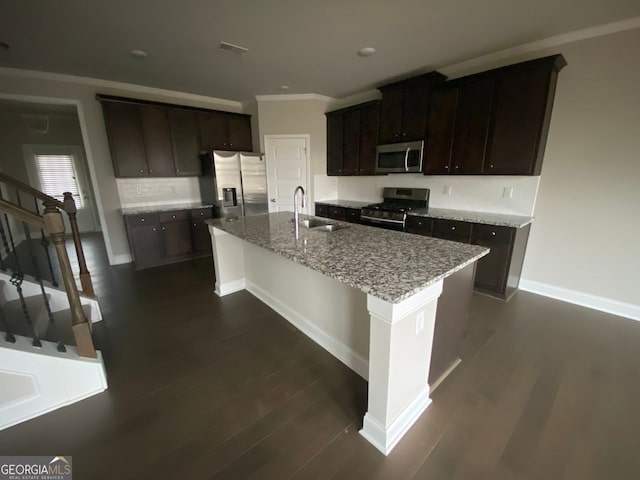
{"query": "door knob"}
(273, 200)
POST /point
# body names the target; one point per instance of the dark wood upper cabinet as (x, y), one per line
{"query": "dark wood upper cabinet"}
(225, 131)
(126, 140)
(404, 108)
(157, 141)
(352, 135)
(441, 122)
(214, 134)
(473, 113)
(184, 134)
(335, 141)
(239, 128)
(522, 112)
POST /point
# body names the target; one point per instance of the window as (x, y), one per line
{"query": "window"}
(57, 175)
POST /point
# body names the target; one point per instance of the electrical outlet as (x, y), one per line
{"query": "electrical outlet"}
(447, 190)
(507, 192)
(419, 323)
(139, 191)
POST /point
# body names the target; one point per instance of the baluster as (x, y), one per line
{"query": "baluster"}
(85, 276)
(5, 242)
(16, 280)
(45, 244)
(36, 271)
(8, 337)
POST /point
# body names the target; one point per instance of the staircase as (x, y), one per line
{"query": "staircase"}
(47, 355)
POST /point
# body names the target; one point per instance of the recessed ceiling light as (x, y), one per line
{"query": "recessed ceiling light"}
(366, 51)
(138, 53)
(230, 47)
(4, 46)
(284, 87)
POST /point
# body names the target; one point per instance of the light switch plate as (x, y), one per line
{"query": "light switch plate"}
(507, 192)
(419, 323)
(447, 190)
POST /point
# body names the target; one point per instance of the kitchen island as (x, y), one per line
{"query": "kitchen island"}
(368, 296)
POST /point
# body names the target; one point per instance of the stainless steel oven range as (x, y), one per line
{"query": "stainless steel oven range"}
(392, 212)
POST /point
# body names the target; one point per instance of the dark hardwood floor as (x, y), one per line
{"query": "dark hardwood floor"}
(202, 387)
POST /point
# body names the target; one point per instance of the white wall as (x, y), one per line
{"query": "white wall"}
(55, 88)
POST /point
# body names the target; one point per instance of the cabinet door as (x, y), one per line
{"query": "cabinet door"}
(125, 139)
(200, 237)
(147, 245)
(157, 141)
(368, 139)
(335, 136)
(184, 133)
(213, 131)
(352, 215)
(176, 238)
(322, 210)
(239, 128)
(493, 269)
(521, 104)
(418, 225)
(351, 143)
(453, 230)
(337, 213)
(475, 99)
(415, 106)
(390, 115)
(440, 125)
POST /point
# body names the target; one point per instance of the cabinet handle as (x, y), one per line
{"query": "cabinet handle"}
(142, 219)
(177, 170)
(154, 229)
(491, 166)
(141, 171)
(150, 170)
(164, 228)
(195, 224)
(446, 167)
(173, 216)
(453, 228)
(231, 144)
(457, 166)
(493, 233)
(201, 214)
(404, 134)
(397, 135)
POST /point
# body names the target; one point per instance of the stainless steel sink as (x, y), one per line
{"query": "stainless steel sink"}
(329, 227)
(313, 223)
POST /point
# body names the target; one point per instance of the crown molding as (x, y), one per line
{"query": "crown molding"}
(550, 42)
(131, 87)
(294, 96)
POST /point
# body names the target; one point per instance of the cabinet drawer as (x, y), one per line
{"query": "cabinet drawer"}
(142, 219)
(418, 225)
(352, 215)
(174, 215)
(337, 213)
(202, 213)
(322, 210)
(452, 230)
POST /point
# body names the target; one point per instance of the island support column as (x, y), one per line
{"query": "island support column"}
(400, 342)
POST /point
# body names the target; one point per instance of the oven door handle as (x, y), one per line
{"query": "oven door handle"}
(406, 159)
(377, 220)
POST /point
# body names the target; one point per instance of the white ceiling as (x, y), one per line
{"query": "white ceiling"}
(309, 45)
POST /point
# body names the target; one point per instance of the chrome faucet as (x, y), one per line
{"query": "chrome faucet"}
(296, 213)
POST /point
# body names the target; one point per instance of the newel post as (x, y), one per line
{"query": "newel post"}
(54, 227)
(85, 276)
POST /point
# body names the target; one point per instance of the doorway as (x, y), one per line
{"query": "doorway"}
(287, 158)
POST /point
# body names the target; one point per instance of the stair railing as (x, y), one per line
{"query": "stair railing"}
(68, 205)
(51, 224)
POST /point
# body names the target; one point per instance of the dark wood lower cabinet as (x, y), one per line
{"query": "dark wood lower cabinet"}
(419, 225)
(167, 237)
(337, 213)
(322, 210)
(334, 212)
(453, 230)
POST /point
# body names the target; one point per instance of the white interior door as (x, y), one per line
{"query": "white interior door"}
(287, 167)
(58, 169)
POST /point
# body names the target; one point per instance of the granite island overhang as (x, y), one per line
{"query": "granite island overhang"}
(367, 295)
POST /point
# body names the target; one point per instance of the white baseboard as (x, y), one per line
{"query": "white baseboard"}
(622, 309)
(342, 352)
(121, 259)
(223, 289)
(385, 439)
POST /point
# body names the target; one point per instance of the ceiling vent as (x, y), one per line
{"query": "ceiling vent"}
(230, 47)
(36, 123)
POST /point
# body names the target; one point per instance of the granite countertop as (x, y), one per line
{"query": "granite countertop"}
(163, 208)
(344, 203)
(386, 264)
(499, 219)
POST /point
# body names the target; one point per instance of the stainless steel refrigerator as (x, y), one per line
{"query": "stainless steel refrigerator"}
(235, 182)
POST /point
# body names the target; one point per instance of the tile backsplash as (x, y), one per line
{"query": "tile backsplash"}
(139, 192)
(514, 195)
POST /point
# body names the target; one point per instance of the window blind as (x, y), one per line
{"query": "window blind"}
(57, 176)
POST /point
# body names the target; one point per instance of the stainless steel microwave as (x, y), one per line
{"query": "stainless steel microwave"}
(400, 158)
